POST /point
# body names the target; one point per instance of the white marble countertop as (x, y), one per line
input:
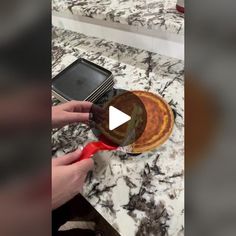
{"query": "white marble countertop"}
(150, 14)
(137, 195)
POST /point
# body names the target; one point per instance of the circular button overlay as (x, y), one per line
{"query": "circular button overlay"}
(118, 117)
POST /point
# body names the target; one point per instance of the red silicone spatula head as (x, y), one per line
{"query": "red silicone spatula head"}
(91, 148)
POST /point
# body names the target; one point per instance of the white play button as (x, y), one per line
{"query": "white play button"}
(117, 118)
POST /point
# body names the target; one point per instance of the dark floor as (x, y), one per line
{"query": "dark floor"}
(76, 210)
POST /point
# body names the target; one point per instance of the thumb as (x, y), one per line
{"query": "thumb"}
(84, 166)
(68, 158)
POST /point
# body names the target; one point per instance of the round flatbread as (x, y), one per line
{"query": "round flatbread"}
(151, 121)
(159, 124)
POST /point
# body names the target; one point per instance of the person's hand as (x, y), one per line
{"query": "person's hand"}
(68, 177)
(70, 112)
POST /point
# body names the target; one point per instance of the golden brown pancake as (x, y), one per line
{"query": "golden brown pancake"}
(160, 121)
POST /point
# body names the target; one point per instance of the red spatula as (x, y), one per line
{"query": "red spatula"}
(93, 147)
(103, 144)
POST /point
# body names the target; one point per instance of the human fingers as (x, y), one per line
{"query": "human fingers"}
(79, 106)
(84, 166)
(68, 158)
(75, 117)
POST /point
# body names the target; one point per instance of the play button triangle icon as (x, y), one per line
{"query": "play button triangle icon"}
(117, 118)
